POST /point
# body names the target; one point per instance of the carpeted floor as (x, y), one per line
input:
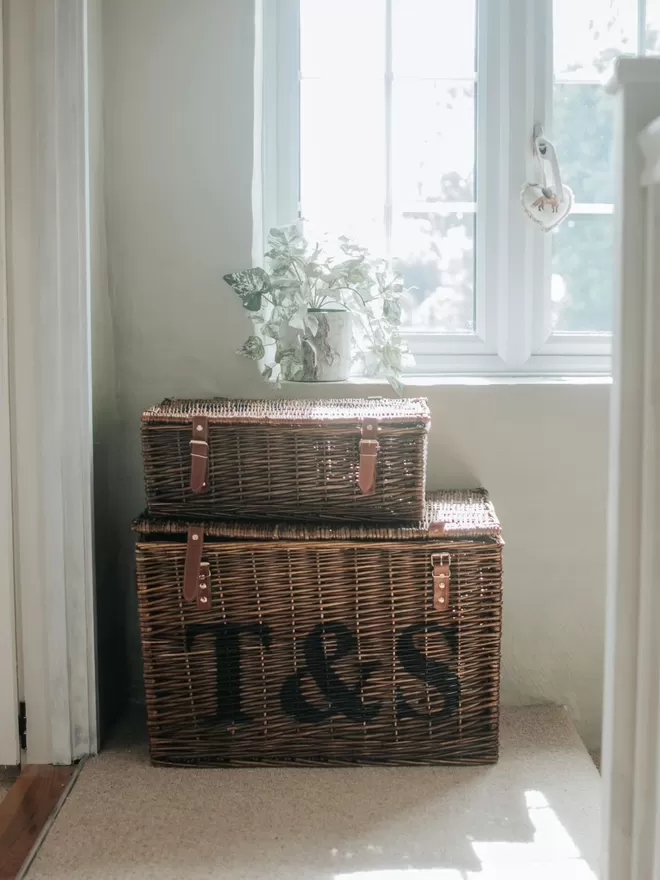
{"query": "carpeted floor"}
(535, 816)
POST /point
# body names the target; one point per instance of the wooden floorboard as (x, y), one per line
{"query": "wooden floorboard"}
(25, 810)
(8, 776)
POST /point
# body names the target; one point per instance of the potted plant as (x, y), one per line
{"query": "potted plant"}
(316, 312)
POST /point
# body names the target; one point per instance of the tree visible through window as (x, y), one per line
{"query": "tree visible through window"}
(588, 35)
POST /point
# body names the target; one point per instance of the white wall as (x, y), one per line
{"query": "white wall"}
(179, 165)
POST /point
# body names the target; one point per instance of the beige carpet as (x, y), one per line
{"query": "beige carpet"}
(535, 816)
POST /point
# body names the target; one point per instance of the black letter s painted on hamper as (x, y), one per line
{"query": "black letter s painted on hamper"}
(228, 664)
(432, 672)
(342, 699)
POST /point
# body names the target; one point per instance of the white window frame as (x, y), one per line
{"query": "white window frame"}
(515, 82)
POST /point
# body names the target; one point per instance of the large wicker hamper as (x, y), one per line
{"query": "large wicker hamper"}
(310, 644)
(333, 460)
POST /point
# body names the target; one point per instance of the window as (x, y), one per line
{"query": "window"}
(408, 125)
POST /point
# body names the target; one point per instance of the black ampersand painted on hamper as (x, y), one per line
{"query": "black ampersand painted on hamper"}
(434, 673)
(228, 664)
(342, 699)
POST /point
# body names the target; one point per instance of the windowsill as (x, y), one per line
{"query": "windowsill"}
(446, 380)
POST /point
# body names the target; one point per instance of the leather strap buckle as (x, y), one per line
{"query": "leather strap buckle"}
(441, 563)
(369, 448)
(204, 587)
(199, 454)
(193, 561)
(196, 574)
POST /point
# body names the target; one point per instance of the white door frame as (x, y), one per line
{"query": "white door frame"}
(49, 297)
(631, 725)
(9, 741)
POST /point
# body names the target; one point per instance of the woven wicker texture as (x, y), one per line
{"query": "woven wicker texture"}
(464, 514)
(284, 459)
(291, 412)
(323, 651)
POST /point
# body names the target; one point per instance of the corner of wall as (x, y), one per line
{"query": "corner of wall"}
(112, 655)
(257, 174)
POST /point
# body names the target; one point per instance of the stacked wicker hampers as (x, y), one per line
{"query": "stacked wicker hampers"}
(301, 601)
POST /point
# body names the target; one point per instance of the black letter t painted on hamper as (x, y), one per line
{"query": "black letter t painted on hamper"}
(227, 639)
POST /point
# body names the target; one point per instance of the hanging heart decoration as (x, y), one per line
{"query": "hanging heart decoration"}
(549, 202)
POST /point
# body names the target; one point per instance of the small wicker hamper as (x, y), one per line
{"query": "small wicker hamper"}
(323, 644)
(287, 459)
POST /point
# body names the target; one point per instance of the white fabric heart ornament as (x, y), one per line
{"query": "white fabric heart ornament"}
(543, 206)
(549, 202)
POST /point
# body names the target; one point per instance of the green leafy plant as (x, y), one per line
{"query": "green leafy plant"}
(286, 302)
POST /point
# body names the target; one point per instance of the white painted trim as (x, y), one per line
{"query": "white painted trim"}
(67, 398)
(646, 852)
(389, 127)
(9, 743)
(649, 141)
(485, 365)
(258, 130)
(526, 64)
(52, 428)
(281, 114)
(640, 47)
(630, 70)
(631, 723)
(488, 260)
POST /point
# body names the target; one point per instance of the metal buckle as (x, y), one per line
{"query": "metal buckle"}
(369, 447)
(441, 559)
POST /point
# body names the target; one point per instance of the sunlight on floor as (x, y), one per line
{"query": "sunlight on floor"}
(532, 816)
(550, 855)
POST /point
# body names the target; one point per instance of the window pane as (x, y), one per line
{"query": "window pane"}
(433, 151)
(582, 274)
(342, 177)
(589, 34)
(435, 255)
(342, 38)
(583, 135)
(652, 26)
(344, 149)
(434, 38)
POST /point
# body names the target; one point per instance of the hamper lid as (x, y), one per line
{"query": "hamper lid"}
(456, 514)
(291, 412)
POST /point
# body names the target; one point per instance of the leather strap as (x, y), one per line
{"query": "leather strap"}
(204, 587)
(191, 571)
(436, 529)
(199, 454)
(369, 447)
(441, 574)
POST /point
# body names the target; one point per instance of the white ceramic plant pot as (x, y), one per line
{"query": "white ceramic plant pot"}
(332, 344)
